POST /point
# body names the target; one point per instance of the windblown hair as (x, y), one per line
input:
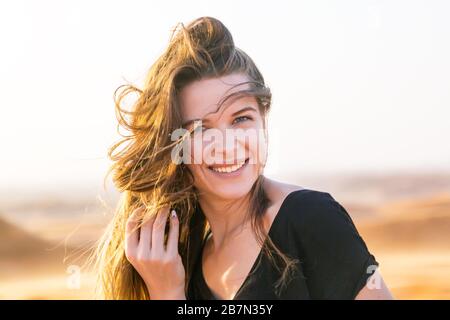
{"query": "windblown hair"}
(143, 170)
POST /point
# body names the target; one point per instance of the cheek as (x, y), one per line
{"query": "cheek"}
(192, 153)
(262, 150)
(196, 172)
(256, 144)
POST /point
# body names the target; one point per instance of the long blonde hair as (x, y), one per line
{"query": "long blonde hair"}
(143, 171)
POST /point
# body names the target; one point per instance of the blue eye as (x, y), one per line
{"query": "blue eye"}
(242, 117)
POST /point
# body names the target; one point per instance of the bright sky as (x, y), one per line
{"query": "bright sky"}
(357, 85)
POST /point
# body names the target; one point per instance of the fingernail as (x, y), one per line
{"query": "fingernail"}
(174, 214)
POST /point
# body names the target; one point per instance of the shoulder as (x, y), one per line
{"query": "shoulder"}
(319, 222)
(316, 216)
(308, 210)
(335, 259)
(310, 206)
(280, 192)
(298, 203)
(322, 228)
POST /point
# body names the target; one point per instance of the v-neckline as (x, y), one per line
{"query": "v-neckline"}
(271, 228)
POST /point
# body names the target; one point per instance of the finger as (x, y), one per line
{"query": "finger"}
(132, 232)
(158, 230)
(145, 241)
(172, 241)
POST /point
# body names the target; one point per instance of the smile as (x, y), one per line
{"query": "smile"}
(229, 168)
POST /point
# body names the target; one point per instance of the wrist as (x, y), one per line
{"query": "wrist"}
(168, 295)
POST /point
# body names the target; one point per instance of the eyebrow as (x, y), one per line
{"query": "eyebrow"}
(248, 108)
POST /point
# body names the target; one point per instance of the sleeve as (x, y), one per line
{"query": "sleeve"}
(337, 262)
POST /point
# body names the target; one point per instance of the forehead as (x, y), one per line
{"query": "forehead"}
(199, 98)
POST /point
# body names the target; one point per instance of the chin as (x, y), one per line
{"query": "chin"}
(230, 192)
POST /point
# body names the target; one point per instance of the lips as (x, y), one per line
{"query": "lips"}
(227, 168)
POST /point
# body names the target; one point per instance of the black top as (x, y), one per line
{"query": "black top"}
(314, 228)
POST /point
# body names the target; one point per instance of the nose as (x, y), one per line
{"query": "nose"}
(224, 146)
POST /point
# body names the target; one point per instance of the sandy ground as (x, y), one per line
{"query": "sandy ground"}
(411, 241)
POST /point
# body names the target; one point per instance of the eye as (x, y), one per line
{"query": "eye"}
(242, 118)
(199, 128)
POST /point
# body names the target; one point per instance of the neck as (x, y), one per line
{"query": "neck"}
(226, 217)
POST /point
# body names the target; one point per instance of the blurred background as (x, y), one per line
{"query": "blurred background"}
(360, 109)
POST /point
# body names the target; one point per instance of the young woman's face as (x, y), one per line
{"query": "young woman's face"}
(227, 152)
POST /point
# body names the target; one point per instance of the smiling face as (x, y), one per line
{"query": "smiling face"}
(230, 146)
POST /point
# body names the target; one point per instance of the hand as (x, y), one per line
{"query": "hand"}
(161, 268)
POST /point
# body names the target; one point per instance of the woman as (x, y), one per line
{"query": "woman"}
(232, 233)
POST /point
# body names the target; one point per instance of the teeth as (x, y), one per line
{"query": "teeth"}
(229, 169)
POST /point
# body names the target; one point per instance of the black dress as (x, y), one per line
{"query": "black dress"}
(311, 226)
